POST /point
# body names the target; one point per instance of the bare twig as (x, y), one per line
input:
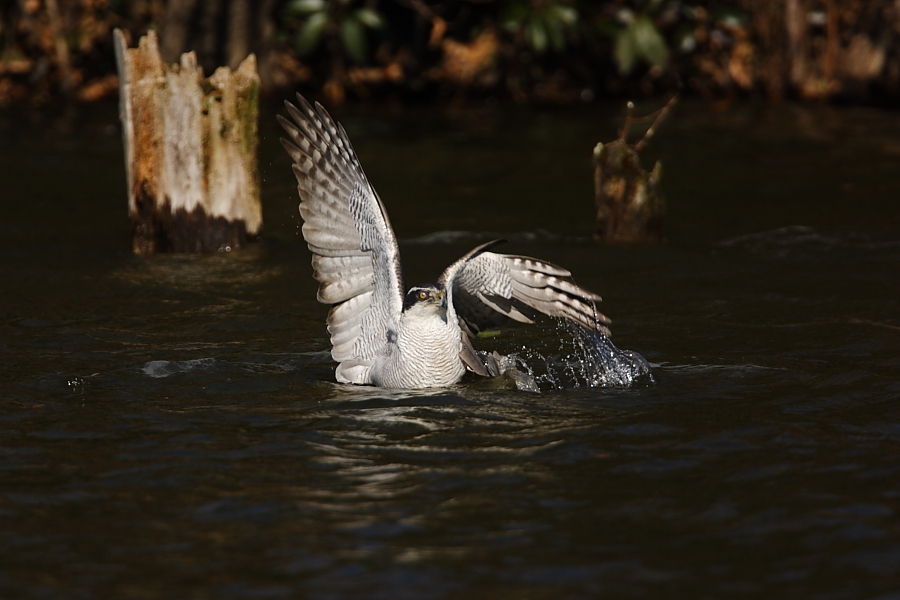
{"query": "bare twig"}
(630, 118)
(660, 115)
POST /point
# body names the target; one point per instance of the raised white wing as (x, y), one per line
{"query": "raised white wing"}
(355, 255)
(489, 288)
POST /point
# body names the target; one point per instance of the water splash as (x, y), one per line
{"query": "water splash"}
(585, 359)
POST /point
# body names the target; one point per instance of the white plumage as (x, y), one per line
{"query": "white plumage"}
(381, 335)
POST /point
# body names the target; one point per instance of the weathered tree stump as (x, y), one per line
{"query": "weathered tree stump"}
(630, 204)
(190, 151)
(629, 200)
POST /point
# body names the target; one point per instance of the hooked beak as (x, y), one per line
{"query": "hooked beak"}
(440, 298)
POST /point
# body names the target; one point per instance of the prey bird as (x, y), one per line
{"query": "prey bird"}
(382, 334)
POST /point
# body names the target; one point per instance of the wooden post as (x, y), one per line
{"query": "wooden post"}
(190, 150)
(629, 200)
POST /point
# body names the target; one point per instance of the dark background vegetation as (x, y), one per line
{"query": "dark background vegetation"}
(546, 51)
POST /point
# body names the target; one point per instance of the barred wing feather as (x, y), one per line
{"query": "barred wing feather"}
(490, 288)
(356, 259)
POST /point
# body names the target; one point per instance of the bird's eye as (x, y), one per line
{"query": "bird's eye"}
(422, 295)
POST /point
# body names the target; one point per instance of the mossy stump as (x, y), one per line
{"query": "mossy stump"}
(629, 201)
(190, 151)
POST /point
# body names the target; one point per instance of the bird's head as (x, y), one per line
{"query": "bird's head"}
(426, 295)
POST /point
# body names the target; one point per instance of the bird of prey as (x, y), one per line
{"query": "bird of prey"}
(382, 334)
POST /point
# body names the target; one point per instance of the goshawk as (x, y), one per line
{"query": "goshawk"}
(382, 334)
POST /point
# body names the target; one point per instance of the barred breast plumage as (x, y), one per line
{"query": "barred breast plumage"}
(425, 353)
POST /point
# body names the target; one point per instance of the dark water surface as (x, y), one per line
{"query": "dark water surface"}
(169, 427)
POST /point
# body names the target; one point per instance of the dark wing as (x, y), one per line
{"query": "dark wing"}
(489, 288)
(355, 254)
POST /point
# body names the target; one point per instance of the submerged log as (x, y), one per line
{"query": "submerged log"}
(190, 151)
(629, 200)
